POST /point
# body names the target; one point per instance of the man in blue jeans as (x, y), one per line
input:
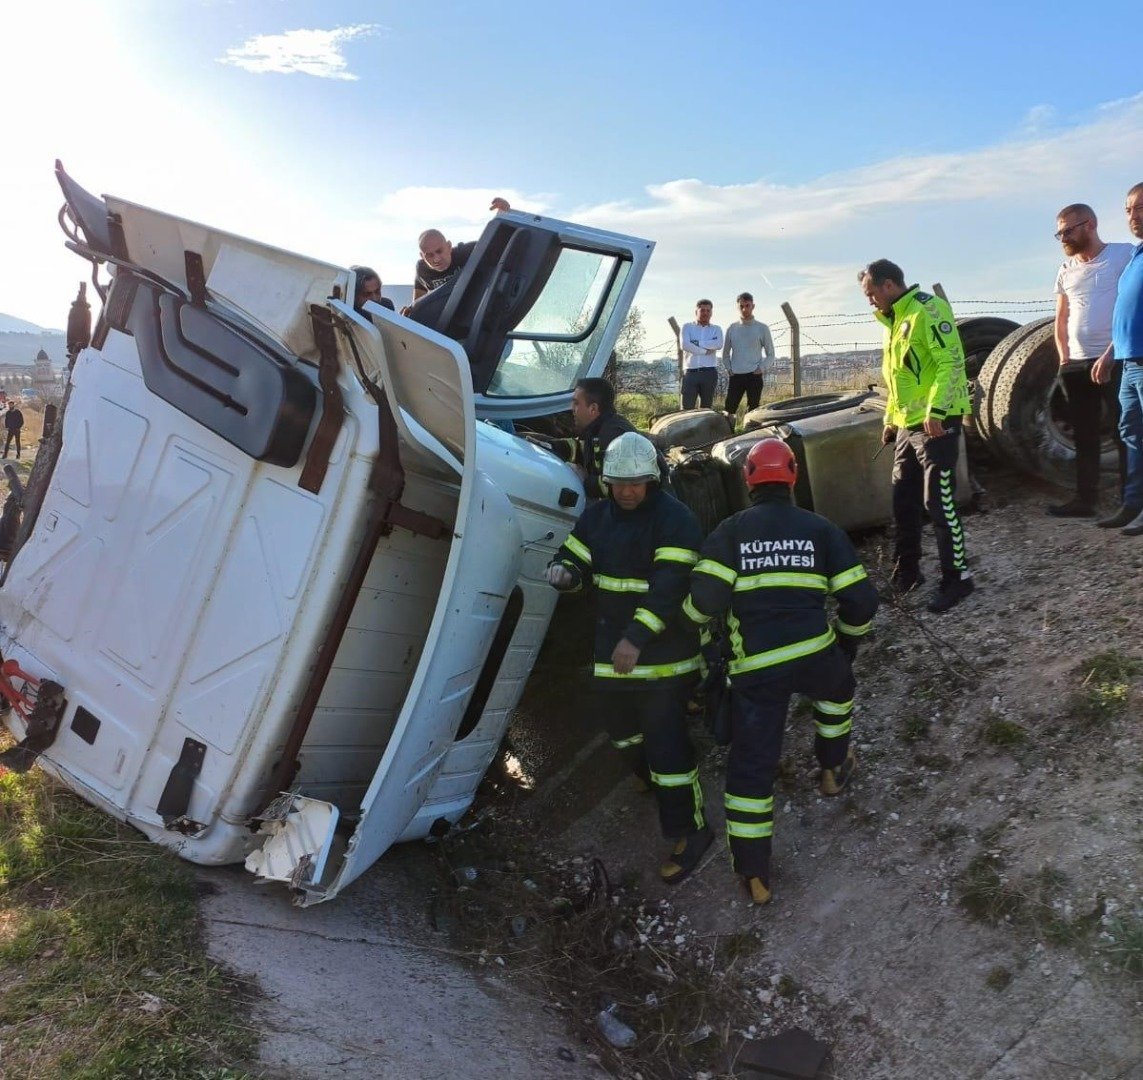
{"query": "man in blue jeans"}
(1127, 348)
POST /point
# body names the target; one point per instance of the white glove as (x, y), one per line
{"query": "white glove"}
(559, 577)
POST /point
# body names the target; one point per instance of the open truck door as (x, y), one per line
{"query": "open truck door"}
(286, 585)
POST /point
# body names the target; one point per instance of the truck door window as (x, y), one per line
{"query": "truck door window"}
(554, 344)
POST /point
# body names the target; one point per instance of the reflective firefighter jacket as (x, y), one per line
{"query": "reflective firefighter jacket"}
(587, 449)
(923, 365)
(770, 569)
(639, 563)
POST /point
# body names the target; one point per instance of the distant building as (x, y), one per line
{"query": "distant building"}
(43, 377)
(39, 375)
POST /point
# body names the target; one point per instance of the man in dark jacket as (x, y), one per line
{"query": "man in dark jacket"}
(366, 287)
(636, 548)
(13, 425)
(768, 569)
(596, 425)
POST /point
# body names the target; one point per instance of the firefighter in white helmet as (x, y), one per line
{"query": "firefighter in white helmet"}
(769, 570)
(635, 549)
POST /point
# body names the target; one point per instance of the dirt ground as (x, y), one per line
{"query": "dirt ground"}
(971, 908)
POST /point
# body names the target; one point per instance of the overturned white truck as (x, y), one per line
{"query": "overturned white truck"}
(280, 582)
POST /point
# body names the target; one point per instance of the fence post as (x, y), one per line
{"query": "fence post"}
(939, 289)
(673, 323)
(795, 348)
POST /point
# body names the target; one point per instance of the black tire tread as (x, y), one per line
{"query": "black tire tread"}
(788, 410)
(983, 396)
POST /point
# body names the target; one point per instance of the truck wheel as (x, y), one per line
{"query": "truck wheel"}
(980, 334)
(1033, 429)
(983, 390)
(697, 482)
(798, 408)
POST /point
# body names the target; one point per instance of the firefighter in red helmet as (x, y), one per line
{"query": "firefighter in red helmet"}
(769, 571)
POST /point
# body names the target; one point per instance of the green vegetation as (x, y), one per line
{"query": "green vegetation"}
(1105, 683)
(103, 973)
(641, 409)
(999, 978)
(1003, 733)
(1122, 944)
(914, 727)
(985, 893)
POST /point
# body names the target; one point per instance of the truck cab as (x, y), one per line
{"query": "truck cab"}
(280, 579)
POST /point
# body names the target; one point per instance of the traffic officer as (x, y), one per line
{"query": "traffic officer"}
(637, 548)
(928, 399)
(769, 569)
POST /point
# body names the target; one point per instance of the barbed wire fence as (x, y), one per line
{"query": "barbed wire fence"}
(841, 363)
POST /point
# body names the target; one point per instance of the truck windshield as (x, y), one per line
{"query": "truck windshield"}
(559, 338)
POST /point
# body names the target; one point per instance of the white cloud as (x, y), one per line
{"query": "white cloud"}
(305, 52)
(1038, 119)
(979, 221)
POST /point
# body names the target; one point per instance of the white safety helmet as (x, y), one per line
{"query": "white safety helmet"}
(630, 458)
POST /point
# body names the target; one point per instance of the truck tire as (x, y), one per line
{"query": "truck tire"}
(697, 481)
(798, 408)
(980, 334)
(1030, 414)
(694, 429)
(982, 392)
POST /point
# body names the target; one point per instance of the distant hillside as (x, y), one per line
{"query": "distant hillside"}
(20, 340)
(21, 348)
(9, 324)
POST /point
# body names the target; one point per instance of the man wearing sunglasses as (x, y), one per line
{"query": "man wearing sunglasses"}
(1085, 296)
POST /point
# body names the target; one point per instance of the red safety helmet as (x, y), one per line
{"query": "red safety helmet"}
(770, 461)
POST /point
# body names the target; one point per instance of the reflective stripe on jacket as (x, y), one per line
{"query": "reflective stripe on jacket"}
(639, 563)
(769, 569)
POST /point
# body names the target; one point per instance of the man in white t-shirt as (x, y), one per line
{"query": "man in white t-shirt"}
(701, 342)
(1085, 297)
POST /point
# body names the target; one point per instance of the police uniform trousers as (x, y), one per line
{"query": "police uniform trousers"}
(648, 726)
(924, 479)
(759, 704)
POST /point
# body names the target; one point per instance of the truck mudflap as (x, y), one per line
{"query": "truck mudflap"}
(40, 703)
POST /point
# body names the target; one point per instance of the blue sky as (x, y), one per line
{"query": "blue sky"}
(766, 147)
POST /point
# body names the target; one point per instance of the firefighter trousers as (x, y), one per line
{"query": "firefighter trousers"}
(759, 704)
(648, 726)
(924, 479)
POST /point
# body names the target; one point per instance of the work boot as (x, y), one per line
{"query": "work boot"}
(1134, 527)
(685, 856)
(833, 781)
(1077, 508)
(757, 890)
(1125, 515)
(950, 593)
